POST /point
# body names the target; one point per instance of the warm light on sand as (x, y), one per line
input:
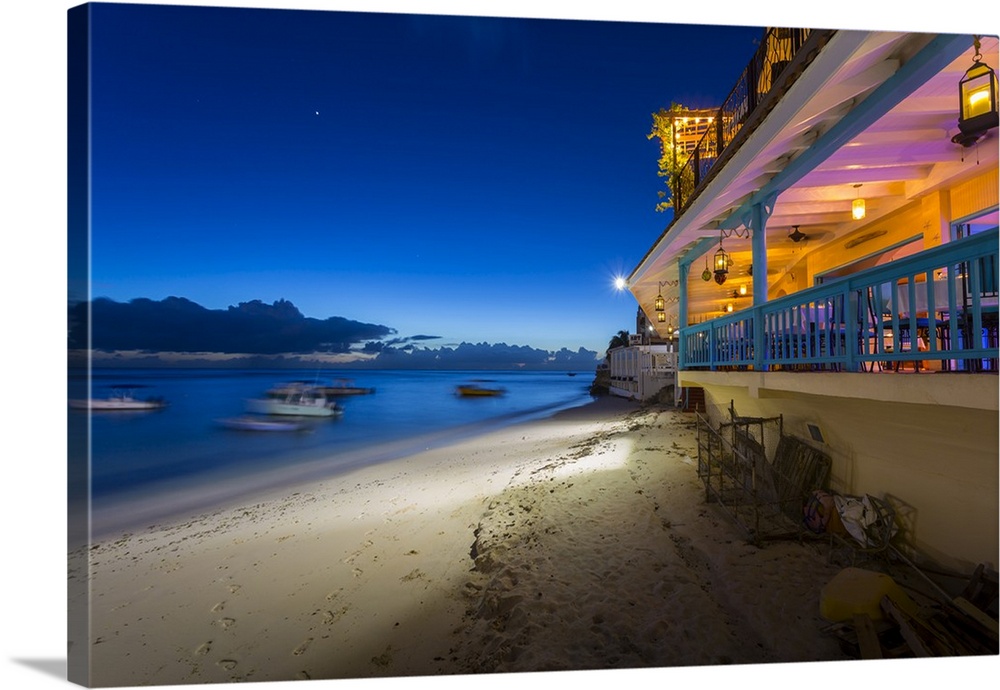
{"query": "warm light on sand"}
(538, 547)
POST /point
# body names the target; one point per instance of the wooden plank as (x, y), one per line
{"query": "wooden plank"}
(868, 641)
(908, 631)
(970, 610)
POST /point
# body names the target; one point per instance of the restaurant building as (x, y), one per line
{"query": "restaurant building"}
(832, 262)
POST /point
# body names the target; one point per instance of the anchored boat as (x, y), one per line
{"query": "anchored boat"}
(295, 399)
(122, 397)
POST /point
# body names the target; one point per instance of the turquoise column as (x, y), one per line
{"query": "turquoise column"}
(759, 213)
(683, 269)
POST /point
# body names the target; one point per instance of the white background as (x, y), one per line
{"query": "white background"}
(32, 385)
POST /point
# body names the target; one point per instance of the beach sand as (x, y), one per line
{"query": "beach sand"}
(582, 541)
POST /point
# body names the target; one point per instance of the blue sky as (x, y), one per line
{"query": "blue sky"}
(477, 179)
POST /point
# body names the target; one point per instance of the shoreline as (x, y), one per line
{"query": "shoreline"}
(187, 498)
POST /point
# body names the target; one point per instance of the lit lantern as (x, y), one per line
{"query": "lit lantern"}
(661, 316)
(858, 205)
(743, 289)
(721, 263)
(729, 307)
(977, 93)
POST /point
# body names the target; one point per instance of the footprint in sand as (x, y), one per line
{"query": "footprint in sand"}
(203, 649)
(219, 607)
(228, 664)
(351, 557)
(302, 647)
(330, 617)
(357, 572)
(225, 622)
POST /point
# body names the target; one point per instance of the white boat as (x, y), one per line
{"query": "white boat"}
(121, 398)
(295, 399)
(252, 422)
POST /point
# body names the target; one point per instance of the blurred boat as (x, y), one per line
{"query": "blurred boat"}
(295, 399)
(474, 390)
(345, 387)
(262, 423)
(122, 397)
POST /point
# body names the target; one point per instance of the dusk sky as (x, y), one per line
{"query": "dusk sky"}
(476, 179)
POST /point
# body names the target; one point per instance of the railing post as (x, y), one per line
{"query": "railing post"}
(852, 321)
(711, 349)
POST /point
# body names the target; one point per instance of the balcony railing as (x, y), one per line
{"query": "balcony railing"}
(938, 306)
(768, 71)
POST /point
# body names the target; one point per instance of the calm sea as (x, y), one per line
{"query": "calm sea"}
(167, 454)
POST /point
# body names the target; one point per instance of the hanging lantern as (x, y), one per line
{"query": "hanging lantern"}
(706, 275)
(661, 316)
(658, 302)
(858, 205)
(721, 263)
(977, 94)
(729, 307)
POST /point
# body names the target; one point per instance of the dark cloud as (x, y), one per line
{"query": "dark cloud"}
(258, 334)
(176, 324)
(497, 356)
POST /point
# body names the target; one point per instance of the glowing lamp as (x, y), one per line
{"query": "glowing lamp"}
(658, 303)
(977, 94)
(858, 205)
(721, 263)
(661, 317)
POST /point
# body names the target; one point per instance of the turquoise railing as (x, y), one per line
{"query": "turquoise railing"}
(942, 300)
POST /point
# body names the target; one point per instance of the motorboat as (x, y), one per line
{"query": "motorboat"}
(121, 398)
(256, 422)
(475, 390)
(295, 399)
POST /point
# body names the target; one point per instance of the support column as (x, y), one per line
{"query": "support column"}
(757, 224)
(683, 269)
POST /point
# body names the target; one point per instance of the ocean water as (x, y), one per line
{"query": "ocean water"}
(167, 456)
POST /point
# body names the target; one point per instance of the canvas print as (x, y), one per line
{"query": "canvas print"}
(422, 345)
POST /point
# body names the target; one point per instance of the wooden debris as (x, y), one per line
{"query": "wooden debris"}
(868, 641)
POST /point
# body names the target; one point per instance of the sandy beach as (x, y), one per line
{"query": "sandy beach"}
(577, 542)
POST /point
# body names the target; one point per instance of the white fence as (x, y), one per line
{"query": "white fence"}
(641, 371)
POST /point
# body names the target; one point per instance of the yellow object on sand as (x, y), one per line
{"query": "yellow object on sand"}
(854, 590)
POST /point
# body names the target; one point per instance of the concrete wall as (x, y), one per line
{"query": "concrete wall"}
(937, 464)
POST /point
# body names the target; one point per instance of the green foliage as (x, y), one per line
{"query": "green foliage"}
(672, 158)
